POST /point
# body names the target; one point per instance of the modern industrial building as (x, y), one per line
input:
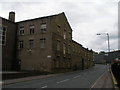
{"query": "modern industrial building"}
(42, 44)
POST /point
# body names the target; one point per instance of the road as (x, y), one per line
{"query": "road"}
(77, 79)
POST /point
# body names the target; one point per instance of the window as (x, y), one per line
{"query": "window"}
(69, 49)
(21, 44)
(58, 57)
(70, 32)
(42, 43)
(64, 48)
(58, 45)
(31, 44)
(43, 28)
(21, 31)
(64, 34)
(3, 35)
(70, 35)
(73, 48)
(58, 28)
(31, 29)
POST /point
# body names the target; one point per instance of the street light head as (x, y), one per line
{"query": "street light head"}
(98, 34)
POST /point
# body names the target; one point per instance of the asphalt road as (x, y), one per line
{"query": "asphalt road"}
(77, 79)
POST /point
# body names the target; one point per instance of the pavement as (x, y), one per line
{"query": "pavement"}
(12, 81)
(96, 77)
(5, 72)
(104, 81)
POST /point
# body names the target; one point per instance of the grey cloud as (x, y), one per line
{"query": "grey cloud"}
(86, 18)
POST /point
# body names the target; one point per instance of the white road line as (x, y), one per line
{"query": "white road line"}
(98, 79)
(63, 81)
(41, 87)
(38, 89)
(76, 76)
(44, 87)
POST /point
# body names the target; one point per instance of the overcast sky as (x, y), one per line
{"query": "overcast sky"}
(86, 17)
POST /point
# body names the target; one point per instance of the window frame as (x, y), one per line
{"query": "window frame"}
(58, 45)
(69, 51)
(32, 29)
(21, 45)
(21, 31)
(58, 28)
(31, 43)
(42, 42)
(3, 34)
(43, 28)
(64, 48)
(64, 34)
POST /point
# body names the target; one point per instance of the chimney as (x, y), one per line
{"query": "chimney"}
(12, 16)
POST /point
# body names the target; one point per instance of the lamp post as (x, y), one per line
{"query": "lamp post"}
(108, 42)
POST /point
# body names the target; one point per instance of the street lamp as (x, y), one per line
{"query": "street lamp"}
(108, 40)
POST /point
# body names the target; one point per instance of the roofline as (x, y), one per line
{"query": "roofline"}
(7, 20)
(82, 46)
(76, 42)
(38, 18)
(67, 21)
(114, 51)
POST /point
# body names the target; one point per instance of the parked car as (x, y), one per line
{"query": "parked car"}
(116, 60)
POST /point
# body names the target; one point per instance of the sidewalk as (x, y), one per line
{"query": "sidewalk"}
(105, 81)
(2, 72)
(5, 82)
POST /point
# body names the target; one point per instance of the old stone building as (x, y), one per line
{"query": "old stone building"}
(45, 44)
(82, 57)
(8, 42)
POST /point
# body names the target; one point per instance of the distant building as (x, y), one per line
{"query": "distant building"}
(105, 58)
(100, 58)
(43, 44)
(113, 55)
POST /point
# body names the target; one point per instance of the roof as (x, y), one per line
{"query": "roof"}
(40, 17)
(82, 46)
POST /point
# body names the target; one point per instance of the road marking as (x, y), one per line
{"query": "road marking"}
(76, 76)
(63, 81)
(98, 80)
(44, 87)
(38, 89)
(41, 87)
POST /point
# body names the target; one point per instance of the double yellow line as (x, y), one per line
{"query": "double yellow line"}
(114, 81)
